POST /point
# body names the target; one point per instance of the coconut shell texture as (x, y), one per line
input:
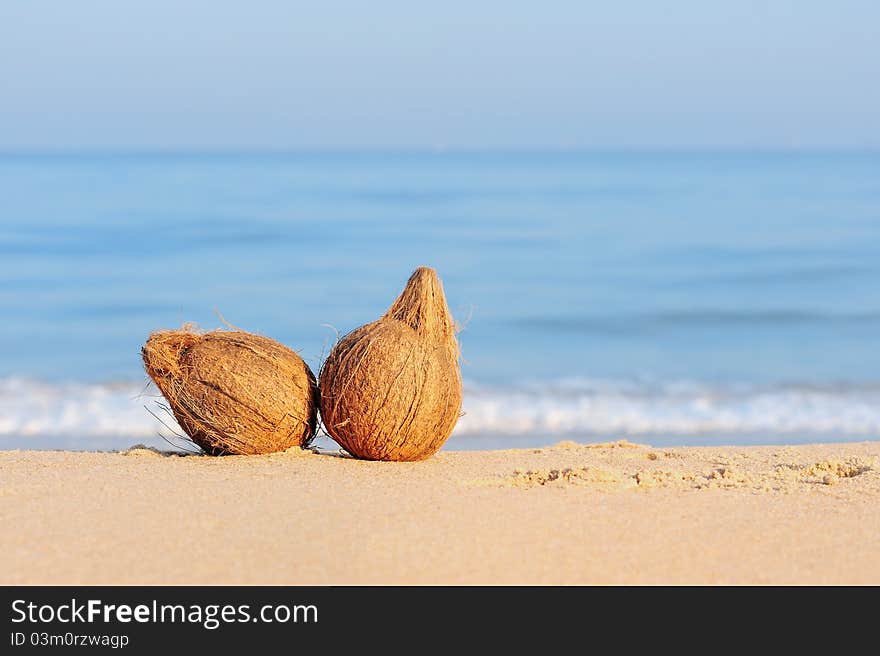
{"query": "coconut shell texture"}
(234, 392)
(391, 390)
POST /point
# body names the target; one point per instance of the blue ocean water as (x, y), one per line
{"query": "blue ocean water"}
(672, 297)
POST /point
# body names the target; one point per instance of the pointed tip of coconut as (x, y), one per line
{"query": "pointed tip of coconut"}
(425, 273)
(422, 305)
(161, 353)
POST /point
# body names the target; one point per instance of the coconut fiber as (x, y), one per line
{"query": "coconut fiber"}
(391, 390)
(234, 392)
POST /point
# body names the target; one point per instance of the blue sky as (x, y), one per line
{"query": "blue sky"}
(106, 74)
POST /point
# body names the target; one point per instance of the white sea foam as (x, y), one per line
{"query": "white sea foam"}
(683, 408)
(566, 407)
(36, 408)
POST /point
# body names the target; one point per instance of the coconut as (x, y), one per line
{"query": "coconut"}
(391, 390)
(234, 392)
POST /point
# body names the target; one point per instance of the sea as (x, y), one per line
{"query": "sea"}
(663, 297)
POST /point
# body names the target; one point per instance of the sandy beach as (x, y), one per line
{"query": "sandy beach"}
(568, 514)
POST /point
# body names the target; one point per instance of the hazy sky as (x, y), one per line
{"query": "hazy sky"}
(475, 74)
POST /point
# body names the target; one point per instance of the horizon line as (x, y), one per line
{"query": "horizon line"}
(220, 151)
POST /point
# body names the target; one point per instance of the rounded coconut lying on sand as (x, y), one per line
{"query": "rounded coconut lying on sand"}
(391, 390)
(234, 392)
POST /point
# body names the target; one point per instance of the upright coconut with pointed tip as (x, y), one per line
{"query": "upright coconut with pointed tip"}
(234, 392)
(391, 390)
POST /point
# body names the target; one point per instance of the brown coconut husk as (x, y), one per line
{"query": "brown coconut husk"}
(391, 390)
(234, 392)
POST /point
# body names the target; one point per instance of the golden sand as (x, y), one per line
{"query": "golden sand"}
(612, 513)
